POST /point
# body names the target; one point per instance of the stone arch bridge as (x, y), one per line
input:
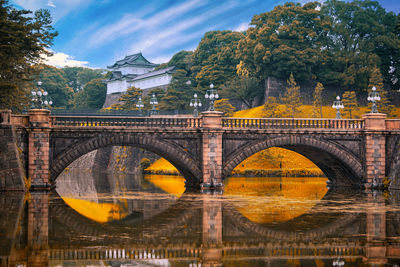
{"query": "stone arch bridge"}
(205, 149)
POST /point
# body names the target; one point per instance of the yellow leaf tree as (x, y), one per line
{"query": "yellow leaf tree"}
(349, 100)
(376, 80)
(317, 103)
(292, 96)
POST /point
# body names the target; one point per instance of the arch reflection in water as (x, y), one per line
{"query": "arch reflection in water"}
(202, 229)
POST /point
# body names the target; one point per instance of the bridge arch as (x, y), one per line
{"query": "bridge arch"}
(180, 158)
(337, 163)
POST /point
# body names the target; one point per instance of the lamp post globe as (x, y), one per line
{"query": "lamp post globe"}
(154, 103)
(337, 104)
(40, 98)
(212, 95)
(140, 105)
(373, 97)
(195, 102)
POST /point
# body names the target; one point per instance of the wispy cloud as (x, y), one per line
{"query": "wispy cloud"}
(131, 23)
(51, 4)
(61, 60)
(60, 8)
(179, 32)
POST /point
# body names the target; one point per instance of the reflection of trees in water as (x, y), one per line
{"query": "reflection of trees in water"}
(102, 196)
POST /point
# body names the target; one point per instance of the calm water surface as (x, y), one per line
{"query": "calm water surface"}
(129, 220)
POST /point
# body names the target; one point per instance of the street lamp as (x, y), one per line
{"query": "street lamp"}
(140, 105)
(195, 102)
(337, 104)
(40, 98)
(154, 103)
(212, 95)
(373, 97)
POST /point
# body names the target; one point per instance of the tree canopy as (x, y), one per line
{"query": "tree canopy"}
(24, 38)
(92, 96)
(337, 43)
(286, 40)
(214, 59)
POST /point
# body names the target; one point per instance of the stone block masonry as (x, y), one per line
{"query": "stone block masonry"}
(39, 148)
(12, 174)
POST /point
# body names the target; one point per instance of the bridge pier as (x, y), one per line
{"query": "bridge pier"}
(38, 229)
(375, 149)
(39, 148)
(212, 231)
(212, 149)
(376, 249)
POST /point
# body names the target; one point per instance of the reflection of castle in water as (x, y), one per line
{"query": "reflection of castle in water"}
(201, 228)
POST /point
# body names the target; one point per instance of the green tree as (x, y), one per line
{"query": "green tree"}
(243, 89)
(128, 100)
(349, 100)
(362, 35)
(181, 60)
(384, 105)
(214, 59)
(317, 103)
(224, 106)
(271, 108)
(288, 39)
(292, 96)
(92, 96)
(78, 77)
(24, 38)
(56, 85)
(159, 94)
(179, 92)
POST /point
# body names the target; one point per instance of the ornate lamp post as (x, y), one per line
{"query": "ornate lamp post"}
(140, 105)
(40, 99)
(211, 94)
(337, 104)
(154, 103)
(195, 102)
(373, 97)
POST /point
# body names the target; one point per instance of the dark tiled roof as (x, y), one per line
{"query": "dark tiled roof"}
(155, 73)
(117, 75)
(133, 60)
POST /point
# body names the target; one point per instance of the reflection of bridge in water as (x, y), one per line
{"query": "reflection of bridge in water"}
(197, 229)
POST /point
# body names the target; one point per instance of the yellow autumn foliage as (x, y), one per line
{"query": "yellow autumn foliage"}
(278, 158)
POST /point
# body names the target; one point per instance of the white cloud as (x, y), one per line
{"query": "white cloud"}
(242, 27)
(51, 4)
(61, 60)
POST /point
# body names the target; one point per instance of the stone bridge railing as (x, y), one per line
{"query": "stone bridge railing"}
(294, 123)
(180, 122)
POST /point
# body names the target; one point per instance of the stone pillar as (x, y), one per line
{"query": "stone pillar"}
(38, 229)
(39, 147)
(374, 149)
(5, 117)
(375, 249)
(212, 231)
(212, 149)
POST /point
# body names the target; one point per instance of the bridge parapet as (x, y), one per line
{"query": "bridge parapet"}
(165, 121)
(292, 123)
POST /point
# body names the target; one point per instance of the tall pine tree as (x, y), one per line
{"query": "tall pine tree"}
(376, 80)
(317, 103)
(349, 100)
(292, 97)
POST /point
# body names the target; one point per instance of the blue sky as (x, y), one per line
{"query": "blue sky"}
(96, 33)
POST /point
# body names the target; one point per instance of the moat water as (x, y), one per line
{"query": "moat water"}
(95, 219)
